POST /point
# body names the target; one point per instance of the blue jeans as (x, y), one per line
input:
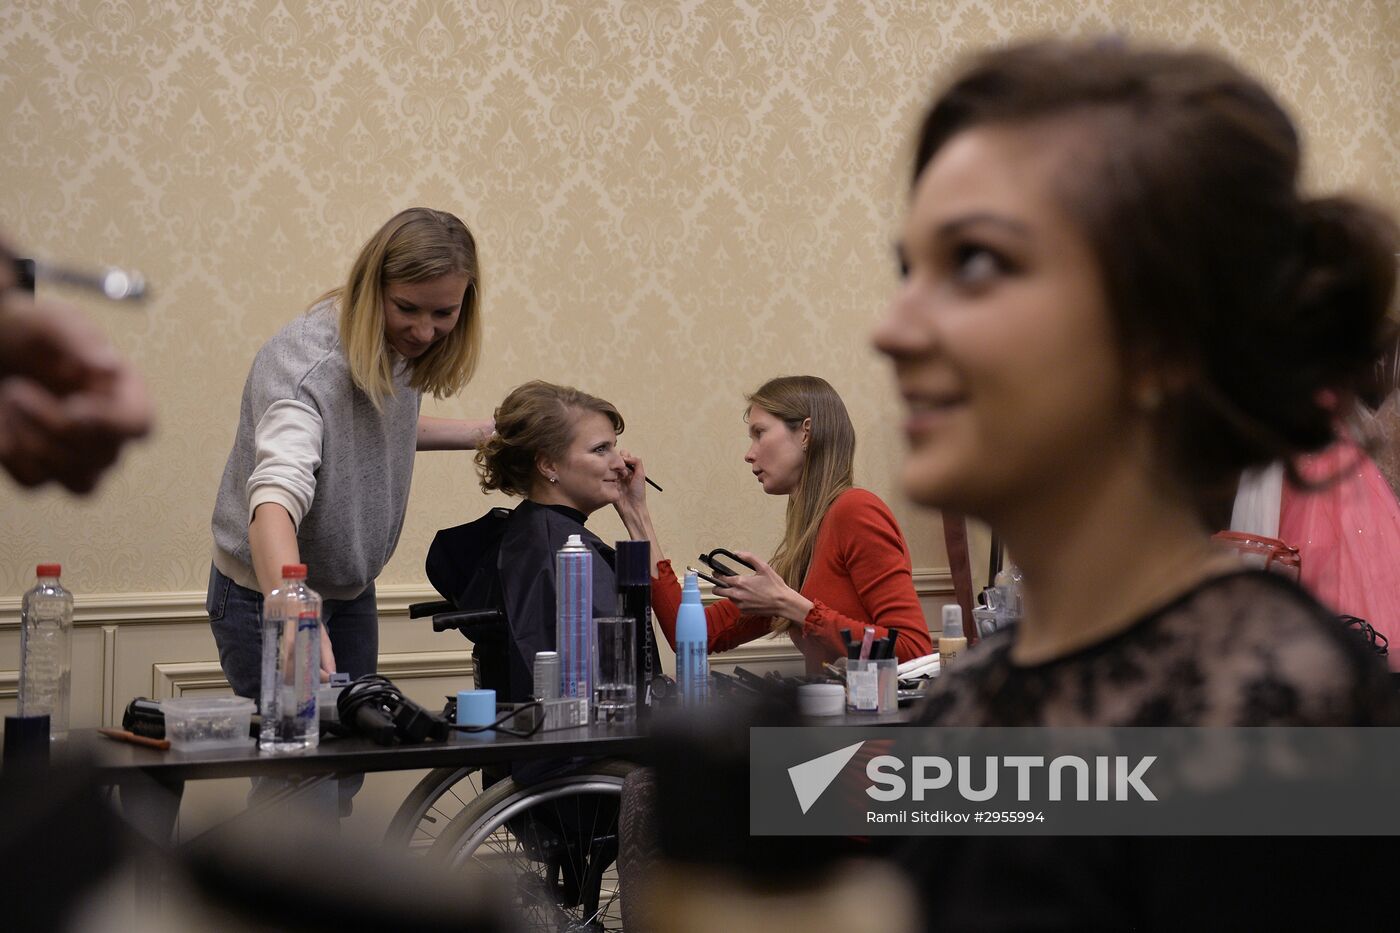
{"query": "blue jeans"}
(235, 615)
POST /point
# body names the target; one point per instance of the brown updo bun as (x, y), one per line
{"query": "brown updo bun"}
(537, 418)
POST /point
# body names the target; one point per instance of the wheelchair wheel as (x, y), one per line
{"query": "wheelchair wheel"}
(431, 807)
(552, 846)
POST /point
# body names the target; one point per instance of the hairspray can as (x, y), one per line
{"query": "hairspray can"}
(546, 675)
(573, 602)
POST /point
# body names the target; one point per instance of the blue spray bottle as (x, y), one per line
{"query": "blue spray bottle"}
(692, 645)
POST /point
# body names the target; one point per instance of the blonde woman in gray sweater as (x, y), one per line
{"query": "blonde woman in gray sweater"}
(323, 456)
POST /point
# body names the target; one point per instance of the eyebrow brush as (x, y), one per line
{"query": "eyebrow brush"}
(650, 482)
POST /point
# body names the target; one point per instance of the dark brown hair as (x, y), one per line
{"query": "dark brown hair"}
(1263, 311)
(535, 418)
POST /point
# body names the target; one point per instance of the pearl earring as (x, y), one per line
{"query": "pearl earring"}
(554, 479)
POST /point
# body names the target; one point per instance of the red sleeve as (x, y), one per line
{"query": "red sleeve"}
(872, 549)
(727, 628)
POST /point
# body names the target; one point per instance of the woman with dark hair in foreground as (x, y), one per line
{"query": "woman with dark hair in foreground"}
(1115, 299)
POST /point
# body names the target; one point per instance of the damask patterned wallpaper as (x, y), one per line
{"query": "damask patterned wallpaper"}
(674, 202)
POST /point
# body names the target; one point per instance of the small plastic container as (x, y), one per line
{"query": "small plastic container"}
(872, 686)
(821, 699)
(202, 723)
(565, 713)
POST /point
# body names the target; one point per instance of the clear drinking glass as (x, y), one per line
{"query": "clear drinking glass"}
(615, 673)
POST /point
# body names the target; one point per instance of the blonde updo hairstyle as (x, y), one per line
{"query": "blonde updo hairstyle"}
(536, 419)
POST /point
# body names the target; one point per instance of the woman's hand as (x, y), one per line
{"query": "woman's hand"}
(763, 593)
(634, 484)
(289, 634)
(327, 656)
(632, 507)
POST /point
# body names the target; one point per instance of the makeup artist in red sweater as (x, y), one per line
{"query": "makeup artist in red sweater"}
(843, 562)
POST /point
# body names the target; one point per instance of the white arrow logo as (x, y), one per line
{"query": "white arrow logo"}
(811, 778)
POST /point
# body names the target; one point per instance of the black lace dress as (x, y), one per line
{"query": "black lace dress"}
(1247, 649)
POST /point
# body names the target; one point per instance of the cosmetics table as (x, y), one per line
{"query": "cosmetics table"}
(152, 781)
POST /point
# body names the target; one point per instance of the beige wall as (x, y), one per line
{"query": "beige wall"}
(674, 202)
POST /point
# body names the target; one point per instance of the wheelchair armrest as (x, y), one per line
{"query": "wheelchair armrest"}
(418, 610)
(443, 621)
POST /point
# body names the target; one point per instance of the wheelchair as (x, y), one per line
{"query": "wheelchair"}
(551, 844)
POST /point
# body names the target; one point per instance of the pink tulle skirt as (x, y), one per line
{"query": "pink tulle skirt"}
(1349, 536)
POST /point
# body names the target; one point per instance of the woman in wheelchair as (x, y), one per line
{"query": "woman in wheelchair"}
(555, 447)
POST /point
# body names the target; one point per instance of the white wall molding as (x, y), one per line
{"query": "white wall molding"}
(936, 581)
(183, 607)
(173, 608)
(417, 665)
(175, 679)
(110, 715)
(764, 650)
(128, 661)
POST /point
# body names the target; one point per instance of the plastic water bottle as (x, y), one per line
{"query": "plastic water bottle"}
(291, 664)
(46, 650)
(692, 645)
(573, 581)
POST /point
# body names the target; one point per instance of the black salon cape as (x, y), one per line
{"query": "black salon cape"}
(506, 560)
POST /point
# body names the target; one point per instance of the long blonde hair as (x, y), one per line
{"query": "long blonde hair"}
(416, 245)
(827, 468)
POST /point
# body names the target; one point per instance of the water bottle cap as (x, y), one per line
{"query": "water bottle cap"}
(48, 570)
(294, 571)
(952, 621)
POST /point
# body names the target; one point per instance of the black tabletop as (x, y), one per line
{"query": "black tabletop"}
(113, 759)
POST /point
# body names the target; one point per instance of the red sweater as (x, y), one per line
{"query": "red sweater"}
(860, 575)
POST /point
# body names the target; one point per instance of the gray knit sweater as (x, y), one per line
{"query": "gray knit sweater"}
(356, 511)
